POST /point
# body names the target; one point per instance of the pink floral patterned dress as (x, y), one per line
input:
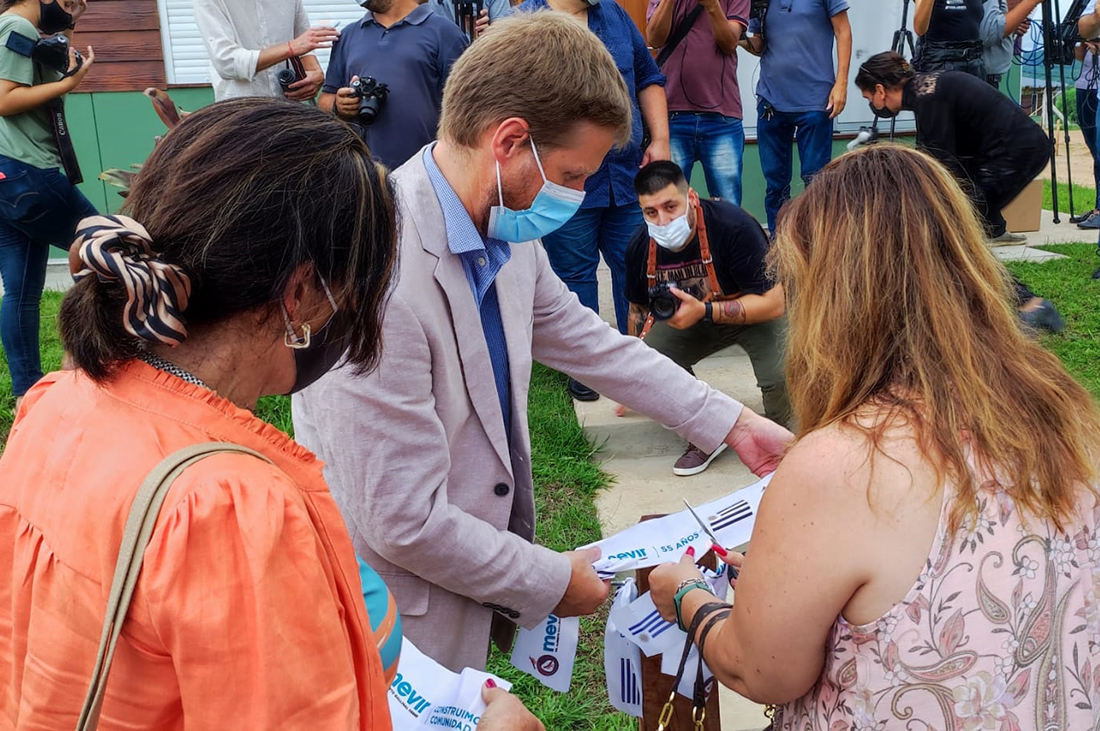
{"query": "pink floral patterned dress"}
(1001, 632)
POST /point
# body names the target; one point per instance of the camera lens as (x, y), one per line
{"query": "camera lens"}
(368, 109)
(286, 77)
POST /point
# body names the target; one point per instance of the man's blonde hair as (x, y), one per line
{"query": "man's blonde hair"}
(544, 67)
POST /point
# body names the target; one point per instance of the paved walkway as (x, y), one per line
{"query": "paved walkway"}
(639, 453)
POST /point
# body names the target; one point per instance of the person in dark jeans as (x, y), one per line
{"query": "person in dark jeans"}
(39, 206)
(799, 94)
(983, 137)
(1086, 85)
(609, 215)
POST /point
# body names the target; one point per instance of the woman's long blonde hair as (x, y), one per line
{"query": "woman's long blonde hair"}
(895, 303)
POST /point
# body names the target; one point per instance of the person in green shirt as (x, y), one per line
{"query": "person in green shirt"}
(39, 205)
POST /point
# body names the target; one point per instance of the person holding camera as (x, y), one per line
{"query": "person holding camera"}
(40, 204)
(799, 93)
(386, 76)
(250, 41)
(472, 16)
(699, 59)
(697, 283)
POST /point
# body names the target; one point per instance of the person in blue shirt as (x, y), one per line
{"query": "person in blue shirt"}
(610, 215)
(408, 47)
(799, 94)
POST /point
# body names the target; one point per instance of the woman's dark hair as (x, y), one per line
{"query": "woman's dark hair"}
(888, 68)
(241, 195)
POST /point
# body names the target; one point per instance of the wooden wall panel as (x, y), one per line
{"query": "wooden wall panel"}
(125, 35)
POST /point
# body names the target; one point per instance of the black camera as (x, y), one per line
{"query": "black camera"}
(287, 77)
(662, 302)
(53, 52)
(466, 14)
(758, 9)
(372, 97)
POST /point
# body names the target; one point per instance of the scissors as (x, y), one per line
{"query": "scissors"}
(711, 535)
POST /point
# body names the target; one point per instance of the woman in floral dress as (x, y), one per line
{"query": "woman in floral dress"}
(926, 556)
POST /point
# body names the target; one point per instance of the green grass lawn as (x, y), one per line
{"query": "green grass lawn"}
(1084, 199)
(566, 480)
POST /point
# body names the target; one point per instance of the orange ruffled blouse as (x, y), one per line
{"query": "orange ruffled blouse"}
(248, 613)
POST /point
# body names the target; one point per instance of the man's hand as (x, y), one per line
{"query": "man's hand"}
(505, 712)
(759, 442)
(79, 8)
(690, 311)
(347, 103)
(838, 99)
(586, 591)
(321, 36)
(657, 150)
(307, 88)
(482, 24)
(1024, 27)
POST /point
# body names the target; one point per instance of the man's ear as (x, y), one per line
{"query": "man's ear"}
(510, 138)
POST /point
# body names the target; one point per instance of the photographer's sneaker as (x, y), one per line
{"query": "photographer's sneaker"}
(1007, 239)
(695, 460)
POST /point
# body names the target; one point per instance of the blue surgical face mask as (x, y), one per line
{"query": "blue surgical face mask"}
(552, 208)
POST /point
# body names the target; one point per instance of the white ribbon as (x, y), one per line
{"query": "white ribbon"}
(425, 693)
(622, 659)
(665, 540)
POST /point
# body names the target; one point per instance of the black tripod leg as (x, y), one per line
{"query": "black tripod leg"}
(1065, 121)
(1048, 37)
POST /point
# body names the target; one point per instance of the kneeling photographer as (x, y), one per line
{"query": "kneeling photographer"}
(697, 283)
(39, 202)
(386, 76)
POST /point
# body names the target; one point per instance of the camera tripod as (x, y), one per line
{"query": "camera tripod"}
(903, 38)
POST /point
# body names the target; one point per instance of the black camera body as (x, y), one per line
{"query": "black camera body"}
(663, 304)
(53, 52)
(372, 97)
(287, 77)
(758, 9)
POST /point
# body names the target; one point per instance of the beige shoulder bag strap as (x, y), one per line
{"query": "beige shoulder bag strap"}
(135, 537)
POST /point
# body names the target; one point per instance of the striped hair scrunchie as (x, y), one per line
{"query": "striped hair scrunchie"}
(119, 249)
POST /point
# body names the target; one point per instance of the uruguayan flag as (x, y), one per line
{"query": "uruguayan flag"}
(622, 660)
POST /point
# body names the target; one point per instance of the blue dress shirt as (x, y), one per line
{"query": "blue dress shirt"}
(482, 259)
(613, 183)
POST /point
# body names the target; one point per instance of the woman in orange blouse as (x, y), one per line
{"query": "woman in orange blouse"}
(266, 252)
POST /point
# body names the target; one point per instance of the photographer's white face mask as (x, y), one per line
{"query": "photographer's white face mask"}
(673, 235)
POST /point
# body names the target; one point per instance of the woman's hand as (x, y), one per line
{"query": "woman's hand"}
(505, 712)
(77, 74)
(77, 9)
(665, 580)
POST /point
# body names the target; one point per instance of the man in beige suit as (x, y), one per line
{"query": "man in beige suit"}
(429, 456)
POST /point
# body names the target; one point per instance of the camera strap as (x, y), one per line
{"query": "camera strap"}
(708, 263)
(55, 108)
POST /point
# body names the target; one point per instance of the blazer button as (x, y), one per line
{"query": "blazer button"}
(501, 489)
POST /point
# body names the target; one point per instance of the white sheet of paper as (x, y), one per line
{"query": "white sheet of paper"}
(425, 690)
(549, 651)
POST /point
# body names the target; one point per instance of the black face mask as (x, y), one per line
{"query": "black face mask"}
(325, 349)
(882, 113)
(53, 18)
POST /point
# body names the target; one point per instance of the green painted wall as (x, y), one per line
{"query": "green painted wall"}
(116, 130)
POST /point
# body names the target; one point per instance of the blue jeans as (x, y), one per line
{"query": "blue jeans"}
(37, 208)
(775, 133)
(574, 252)
(718, 142)
(1086, 117)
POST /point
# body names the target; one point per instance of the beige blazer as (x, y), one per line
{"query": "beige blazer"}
(436, 497)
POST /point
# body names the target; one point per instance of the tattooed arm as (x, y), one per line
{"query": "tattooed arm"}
(635, 319)
(750, 309)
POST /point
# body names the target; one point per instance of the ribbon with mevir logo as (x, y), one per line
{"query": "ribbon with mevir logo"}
(548, 652)
(425, 693)
(664, 540)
